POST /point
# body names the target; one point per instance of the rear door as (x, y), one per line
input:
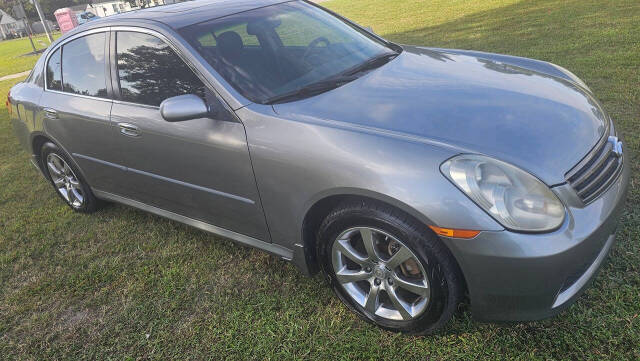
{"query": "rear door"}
(77, 103)
(199, 168)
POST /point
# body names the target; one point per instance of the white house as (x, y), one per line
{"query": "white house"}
(107, 8)
(9, 25)
(112, 7)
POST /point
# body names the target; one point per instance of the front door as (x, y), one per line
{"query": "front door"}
(198, 168)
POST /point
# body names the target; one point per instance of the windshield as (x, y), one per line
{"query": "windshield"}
(273, 51)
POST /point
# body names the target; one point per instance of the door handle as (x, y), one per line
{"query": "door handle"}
(50, 113)
(129, 130)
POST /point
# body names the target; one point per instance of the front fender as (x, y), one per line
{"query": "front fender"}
(297, 163)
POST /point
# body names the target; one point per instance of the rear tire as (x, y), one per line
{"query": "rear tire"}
(341, 239)
(67, 180)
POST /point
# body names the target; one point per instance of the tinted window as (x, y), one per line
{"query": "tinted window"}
(54, 72)
(150, 71)
(303, 28)
(274, 50)
(83, 66)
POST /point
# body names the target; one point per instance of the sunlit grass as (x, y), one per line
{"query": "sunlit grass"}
(12, 53)
(123, 284)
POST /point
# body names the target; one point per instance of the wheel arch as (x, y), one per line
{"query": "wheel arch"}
(38, 140)
(322, 206)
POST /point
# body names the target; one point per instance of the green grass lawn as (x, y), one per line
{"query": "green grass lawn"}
(123, 284)
(12, 58)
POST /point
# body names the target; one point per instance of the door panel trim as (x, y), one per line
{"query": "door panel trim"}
(280, 251)
(86, 157)
(171, 180)
(194, 186)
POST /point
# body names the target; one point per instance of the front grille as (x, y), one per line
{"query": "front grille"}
(595, 173)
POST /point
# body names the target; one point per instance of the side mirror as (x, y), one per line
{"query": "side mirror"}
(183, 107)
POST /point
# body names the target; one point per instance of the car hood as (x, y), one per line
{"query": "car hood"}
(539, 122)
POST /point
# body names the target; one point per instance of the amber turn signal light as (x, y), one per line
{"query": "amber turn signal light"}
(454, 233)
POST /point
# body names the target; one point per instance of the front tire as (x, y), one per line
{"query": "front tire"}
(389, 269)
(67, 180)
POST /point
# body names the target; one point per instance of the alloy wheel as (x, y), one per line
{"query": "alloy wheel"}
(65, 181)
(380, 273)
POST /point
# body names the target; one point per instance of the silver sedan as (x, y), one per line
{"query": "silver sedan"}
(409, 176)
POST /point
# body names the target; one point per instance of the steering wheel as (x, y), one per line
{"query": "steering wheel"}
(313, 45)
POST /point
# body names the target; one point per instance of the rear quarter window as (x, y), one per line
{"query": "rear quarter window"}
(54, 71)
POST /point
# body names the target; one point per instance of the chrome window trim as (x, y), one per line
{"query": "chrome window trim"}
(138, 29)
(114, 29)
(59, 46)
(124, 102)
(109, 100)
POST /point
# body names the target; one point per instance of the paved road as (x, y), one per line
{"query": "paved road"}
(13, 76)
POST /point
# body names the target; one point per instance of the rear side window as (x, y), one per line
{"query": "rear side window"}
(54, 71)
(149, 71)
(83, 66)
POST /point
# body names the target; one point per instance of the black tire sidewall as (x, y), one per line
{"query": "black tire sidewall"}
(90, 203)
(443, 283)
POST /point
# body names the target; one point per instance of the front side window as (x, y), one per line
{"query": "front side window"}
(150, 71)
(272, 51)
(54, 71)
(83, 66)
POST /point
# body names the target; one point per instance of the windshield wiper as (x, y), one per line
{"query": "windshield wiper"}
(334, 82)
(311, 89)
(375, 62)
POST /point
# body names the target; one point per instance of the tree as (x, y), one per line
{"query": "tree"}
(48, 7)
(29, 9)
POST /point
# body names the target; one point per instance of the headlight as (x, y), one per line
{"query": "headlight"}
(515, 198)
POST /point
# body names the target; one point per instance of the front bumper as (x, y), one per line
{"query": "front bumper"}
(518, 277)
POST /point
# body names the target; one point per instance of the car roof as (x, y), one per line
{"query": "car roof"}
(190, 12)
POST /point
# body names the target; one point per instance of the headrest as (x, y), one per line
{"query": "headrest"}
(229, 44)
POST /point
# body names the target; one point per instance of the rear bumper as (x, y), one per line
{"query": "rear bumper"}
(518, 277)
